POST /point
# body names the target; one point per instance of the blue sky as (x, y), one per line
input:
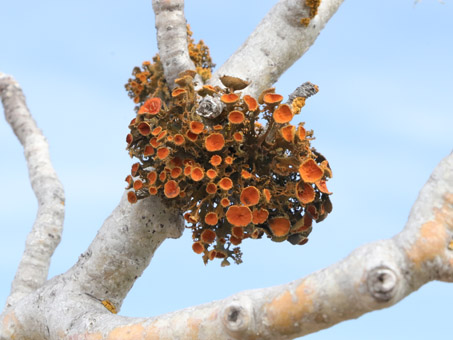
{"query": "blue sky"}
(383, 118)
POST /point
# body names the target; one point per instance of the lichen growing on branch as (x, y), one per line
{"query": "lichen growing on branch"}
(231, 176)
(149, 81)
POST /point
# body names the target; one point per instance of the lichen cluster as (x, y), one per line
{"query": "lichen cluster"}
(149, 81)
(313, 10)
(231, 176)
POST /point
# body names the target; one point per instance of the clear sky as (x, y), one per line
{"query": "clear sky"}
(383, 118)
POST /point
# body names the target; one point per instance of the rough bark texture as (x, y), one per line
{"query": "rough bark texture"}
(46, 232)
(277, 42)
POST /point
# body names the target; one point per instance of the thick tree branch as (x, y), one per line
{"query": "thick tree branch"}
(171, 27)
(46, 232)
(374, 276)
(277, 42)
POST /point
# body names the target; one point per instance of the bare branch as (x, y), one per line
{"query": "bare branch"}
(46, 232)
(277, 42)
(171, 27)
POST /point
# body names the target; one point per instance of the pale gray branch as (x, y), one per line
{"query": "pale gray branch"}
(171, 27)
(276, 43)
(46, 232)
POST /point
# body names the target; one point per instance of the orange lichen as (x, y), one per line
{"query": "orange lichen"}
(211, 173)
(239, 216)
(196, 127)
(271, 169)
(280, 226)
(178, 139)
(305, 193)
(238, 136)
(229, 98)
(250, 196)
(132, 197)
(198, 247)
(236, 117)
(215, 160)
(211, 188)
(225, 183)
(176, 172)
(260, 216)
(272, 98)
(208, 235)
(171, 189)
(310, 171)
(224, 202)
(283, 114)
(214, 142)
(151, 106)
(197, 174)
(288, 132)
(163, 152)
(251, 102)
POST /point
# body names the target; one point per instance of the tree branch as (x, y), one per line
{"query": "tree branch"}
(372, 277)
(277, 42)
(46, 232)
(171, 27)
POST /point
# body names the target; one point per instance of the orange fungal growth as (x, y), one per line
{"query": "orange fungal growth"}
(197, 174)
(322, 187)
(310, 171)
(208, 236)
(211, 173)
(237, 232)
(198, 247)
(196, 127)
(288, 132)
(250, 196)
(151, 106)
(178, 92)
(236, 117)
(279, 226)
(225, 183)
(211, 188)
(267, 195)
(156, 131)
(215, 160)
(149, 151)
(283, 114)
(152, 177)
(132, 197)
(138, 184)
(224, 202)
(214, 142)
(229, 98)
(178, 139)
(175, 172)
(305, 193)
(272, 98)
(239, 216)
(251, 102)
(260, 216)
(191, 136)
(211, 218)
(301, 132)
(171, 189)
(231, 163)
(238, 136)
(163, 152)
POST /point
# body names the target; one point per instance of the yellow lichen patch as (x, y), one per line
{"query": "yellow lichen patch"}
(135, 331)
(286, 311)
(433, 238)
(110, 306)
